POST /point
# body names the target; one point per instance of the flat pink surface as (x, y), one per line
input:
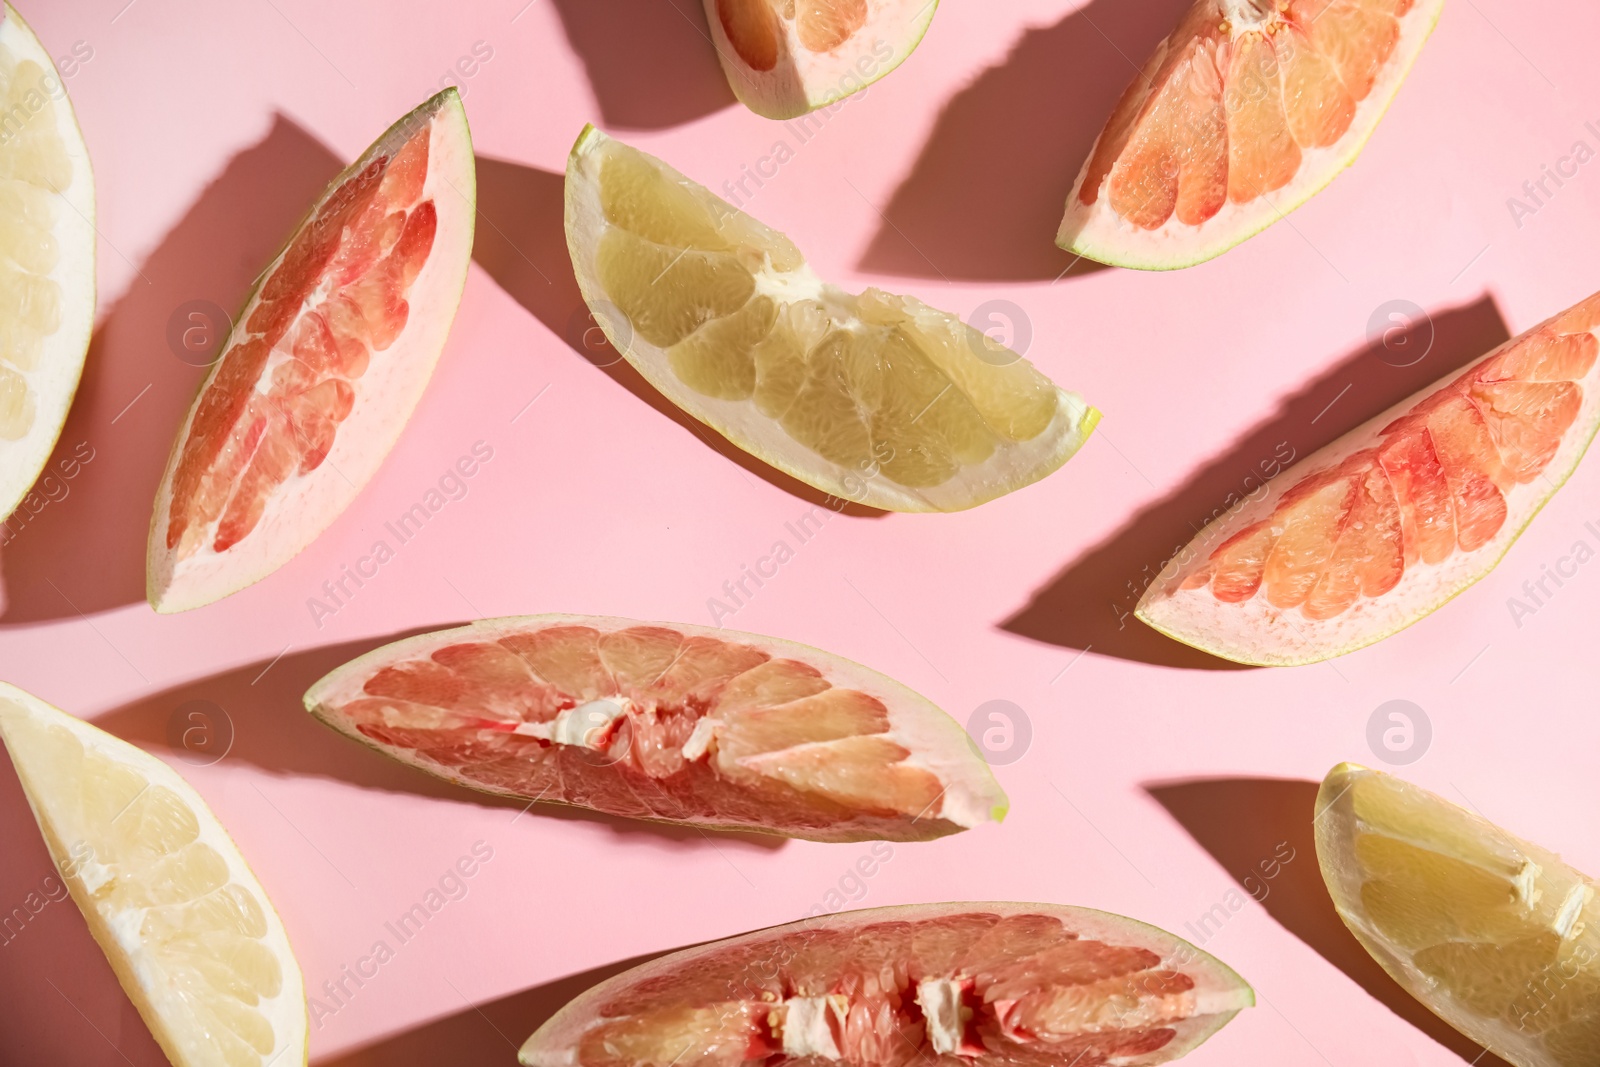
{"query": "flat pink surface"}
(211, 127)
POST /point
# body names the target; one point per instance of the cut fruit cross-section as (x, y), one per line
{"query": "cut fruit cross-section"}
(670, 723)
(186, 926)
(47, 243)
(787, 57)
(984, 984)
(1383, 526)
(1495, 935)
(1248, 110)
(875, 398)
(324, 366)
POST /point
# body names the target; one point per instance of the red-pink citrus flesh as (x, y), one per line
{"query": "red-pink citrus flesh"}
(669, 722)
(787, 57)
(1249, 109)
(951, 985)
(1386, 524)
(324, 366)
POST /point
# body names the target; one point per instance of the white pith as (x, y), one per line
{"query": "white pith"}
(937, 743)
(1012, 466)
(54, 379)
(117, 931)
(1097, 232)
(1256, 632)
(1218, 991)
(385, 395)
(1543, 872)
(940, 1001)
(804, 80)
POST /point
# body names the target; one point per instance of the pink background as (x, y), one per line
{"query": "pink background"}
(212, 125)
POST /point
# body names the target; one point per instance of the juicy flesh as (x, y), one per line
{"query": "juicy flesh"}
(135, 857)
(756, 28)
(336, 301)
(1503, 935)
(1021, 990)
(1434, 483)
(878, 384)
(34, 171)
(646, 722)
(1227, 108)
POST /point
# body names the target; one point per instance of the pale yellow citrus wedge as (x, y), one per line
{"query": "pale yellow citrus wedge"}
(47, 242)
(187, 928)
(874, 398)
(1495, 935)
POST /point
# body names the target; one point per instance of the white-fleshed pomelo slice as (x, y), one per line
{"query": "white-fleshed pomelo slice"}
(874, 398)
(787, 57)
(47, 241)
(1249, 109)
(1496, 936)
(187, 928)
(983, 984)
(324, 365)
(1383, 526)
(666, 722)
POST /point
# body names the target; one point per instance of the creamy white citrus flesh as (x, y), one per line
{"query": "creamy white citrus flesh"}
(186, 926)
(47, 245)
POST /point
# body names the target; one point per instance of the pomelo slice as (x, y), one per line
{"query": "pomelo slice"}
(986, 984)
(1249, 109)
(671, 723)
(1496, 936)
(1383, 526)
(874, 398)
(784, 58)
(187, 928)
(47, 243)
(323, 367)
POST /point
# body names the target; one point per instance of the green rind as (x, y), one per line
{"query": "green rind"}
(1466, 583)
(575, 1010)
(1113, 259)
(447, 98)
(8, 507)
(368, 661)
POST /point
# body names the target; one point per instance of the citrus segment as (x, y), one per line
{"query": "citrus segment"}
(1390, 521)
(186, 926)
(1247, 110)
(784, 58)
(981, 984)
(876, 398)
(47, 244)
(676, 723)
(324, 365)
(1492, 933)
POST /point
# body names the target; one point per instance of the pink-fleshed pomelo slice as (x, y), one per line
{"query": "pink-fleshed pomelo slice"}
(784, 58)
(1383, 526)
(1248, 110)
(981, 984)
(670, 723)
(324, 365)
